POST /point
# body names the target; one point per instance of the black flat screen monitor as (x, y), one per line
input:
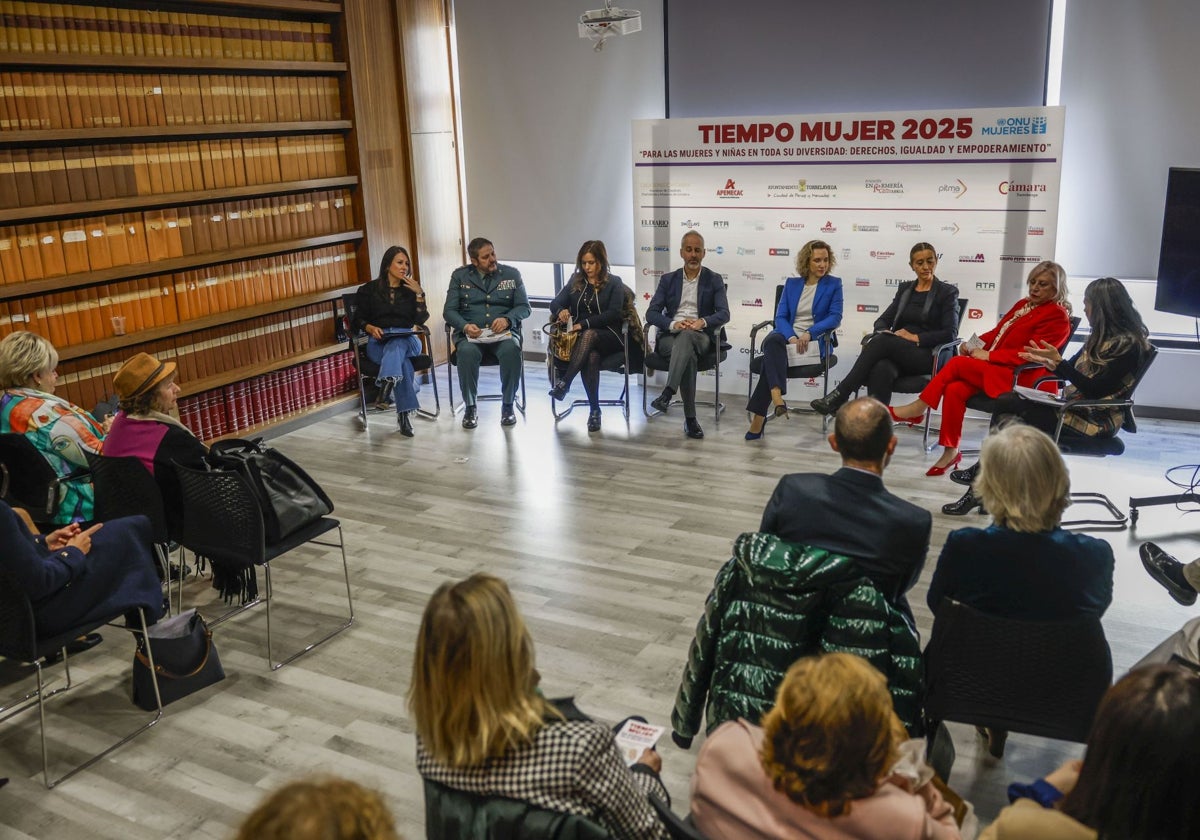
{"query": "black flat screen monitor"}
(1179, 258)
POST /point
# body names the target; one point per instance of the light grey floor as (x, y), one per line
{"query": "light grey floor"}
(610, 542)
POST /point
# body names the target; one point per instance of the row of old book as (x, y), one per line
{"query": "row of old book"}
(31, 101)
(126, 307)
(45, 175)
(273, 396)
(71, 246)
(214, 353)
(67, 29)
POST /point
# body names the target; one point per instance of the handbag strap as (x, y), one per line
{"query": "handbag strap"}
(163, 672)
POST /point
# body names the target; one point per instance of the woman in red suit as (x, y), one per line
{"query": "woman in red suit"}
(1042, 315)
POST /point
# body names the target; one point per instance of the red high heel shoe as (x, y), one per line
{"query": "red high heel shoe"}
(907, 421)
(935, 471)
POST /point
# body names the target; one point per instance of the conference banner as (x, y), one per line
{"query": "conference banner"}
(980, 185)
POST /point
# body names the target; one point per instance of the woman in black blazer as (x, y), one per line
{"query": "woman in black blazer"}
(591, 303)
(922, 315)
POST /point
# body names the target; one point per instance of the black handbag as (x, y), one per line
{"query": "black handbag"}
(288, 496)
(185, 660)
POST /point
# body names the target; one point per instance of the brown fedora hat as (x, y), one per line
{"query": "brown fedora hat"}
(140, 375)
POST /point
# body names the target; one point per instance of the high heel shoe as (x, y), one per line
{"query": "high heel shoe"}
(907, 421)
(559, 391)
(936, 471)
(754, 435)
(963, 506)
(781, 410)
(995, 739)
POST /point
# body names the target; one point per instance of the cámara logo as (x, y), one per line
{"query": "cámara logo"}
(651, 272)
(1013, 188)
(791, 225)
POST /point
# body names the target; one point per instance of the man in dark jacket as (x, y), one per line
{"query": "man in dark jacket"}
(850, 512)
(689, 308)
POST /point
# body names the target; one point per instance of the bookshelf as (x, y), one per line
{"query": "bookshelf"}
(182, 178)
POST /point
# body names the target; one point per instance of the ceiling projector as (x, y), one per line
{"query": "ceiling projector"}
(601, 24)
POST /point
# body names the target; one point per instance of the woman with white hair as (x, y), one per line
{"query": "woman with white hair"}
(1024, 565)
(62, 432)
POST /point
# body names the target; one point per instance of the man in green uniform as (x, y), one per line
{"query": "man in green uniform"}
(486, 295)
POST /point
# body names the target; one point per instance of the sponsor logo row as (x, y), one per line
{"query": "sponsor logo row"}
(760, 225)
(732, 190)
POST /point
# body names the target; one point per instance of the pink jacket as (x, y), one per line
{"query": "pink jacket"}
(732, 797)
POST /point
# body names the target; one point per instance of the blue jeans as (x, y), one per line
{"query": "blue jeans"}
(394, 356)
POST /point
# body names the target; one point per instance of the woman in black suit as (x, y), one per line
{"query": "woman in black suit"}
(1023, 566)
(922, 315)
(1104, 368)
(74, 577)
(591, 303)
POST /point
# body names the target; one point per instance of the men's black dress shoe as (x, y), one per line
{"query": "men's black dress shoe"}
(692, 429)
(406, 428)
(965, 477)
(76, 646)
(1169, 572)
(965, 505)
(663, 403)
(508, 417)
(594, 420)
(470, 417)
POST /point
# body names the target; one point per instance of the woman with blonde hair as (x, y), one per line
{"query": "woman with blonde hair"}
(62, 432)
(1024, 565)
(484, 728)
(820, 766)
(1041, 317)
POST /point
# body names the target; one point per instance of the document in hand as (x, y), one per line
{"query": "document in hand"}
(1048, 397)
(489, 337)
(973, 343)
(635, 737)
(812, 356)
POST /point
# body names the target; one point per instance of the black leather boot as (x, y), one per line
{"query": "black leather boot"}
(594, 420)
(965, 505)
(965, 477)
(406, 428)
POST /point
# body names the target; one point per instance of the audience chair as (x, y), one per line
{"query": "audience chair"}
(367, 370)
(487, 361)
(797, 371)
(679, 828)
(19, 641)
(709, 361)
(915, 384)
(618, 362)
(452, 814)
(222, 521)
(1041, 678)
(32, 483)
(124, 487)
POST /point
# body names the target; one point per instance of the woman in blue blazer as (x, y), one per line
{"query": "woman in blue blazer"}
(1024, 566)
(810, 306)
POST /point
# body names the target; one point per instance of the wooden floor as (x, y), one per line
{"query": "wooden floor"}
(610, 542)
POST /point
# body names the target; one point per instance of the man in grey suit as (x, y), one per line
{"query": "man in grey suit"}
(850, 512)
(689, 308)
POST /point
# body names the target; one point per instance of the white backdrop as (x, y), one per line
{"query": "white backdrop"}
(981, 185)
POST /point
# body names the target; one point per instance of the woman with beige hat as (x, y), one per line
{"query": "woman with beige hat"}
(145, 429)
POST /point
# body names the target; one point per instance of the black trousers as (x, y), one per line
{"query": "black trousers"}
(884, 360)
(774, 373)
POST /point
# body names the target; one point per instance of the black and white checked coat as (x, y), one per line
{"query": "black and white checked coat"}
(573, 767)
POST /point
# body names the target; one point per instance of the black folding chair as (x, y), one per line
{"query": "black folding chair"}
(223, 522)
(20, 642)
(488, 360)
(709, 361)
(32, 482)
(1041, 678)
(367, 370)
(618, 362)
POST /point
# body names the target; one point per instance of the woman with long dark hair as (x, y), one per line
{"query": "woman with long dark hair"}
(387, 310)
(1137, 779)
(1105, 367)
(591, 303)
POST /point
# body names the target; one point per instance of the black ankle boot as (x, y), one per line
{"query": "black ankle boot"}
(963, 506)
(594, 420)
(965, 477)
(828, 404)
(406, 428)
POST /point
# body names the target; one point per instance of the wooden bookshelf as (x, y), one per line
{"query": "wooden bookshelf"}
(78, 351)
(182, 199)
(208, 383)
(74, 66)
